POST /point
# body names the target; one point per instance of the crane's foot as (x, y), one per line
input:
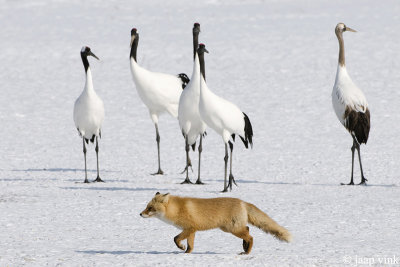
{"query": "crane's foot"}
(199, 182)
(86, 181)
(187, 181)
(351, 183)
(231, 181)
(98, 180)
(363, 181)
(159, 172)
(186, 168)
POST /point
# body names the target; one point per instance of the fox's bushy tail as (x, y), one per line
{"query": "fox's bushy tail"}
(261, 220)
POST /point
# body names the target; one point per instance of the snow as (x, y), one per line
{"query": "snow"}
(275, 59)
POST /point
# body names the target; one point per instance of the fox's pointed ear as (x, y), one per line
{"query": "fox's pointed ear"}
(165, 198)
(157, 193)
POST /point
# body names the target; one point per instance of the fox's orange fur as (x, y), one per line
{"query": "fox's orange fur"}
(197, 214)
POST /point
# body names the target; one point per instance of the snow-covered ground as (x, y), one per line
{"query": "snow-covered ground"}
(275, 59)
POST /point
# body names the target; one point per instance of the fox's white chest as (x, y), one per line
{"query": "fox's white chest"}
(162, 218)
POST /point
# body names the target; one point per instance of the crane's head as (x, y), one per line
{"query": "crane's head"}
(196, 28)
(134, 35)
(341, 27)
(85, 51)
(202, 49)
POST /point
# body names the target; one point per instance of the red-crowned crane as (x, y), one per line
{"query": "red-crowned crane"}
(160, 92)
(227, 120)
(350, 104)
(89, 112)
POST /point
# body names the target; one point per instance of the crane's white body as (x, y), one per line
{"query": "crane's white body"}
(188, 112)
(160, 92)
(219, 114)
(346, 94)
(89, 110)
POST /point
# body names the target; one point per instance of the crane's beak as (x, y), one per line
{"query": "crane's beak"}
(350, 29)
(205, 50)
(93, 55)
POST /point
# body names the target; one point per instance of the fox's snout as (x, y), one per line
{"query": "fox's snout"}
(155, 207)
(144, 214)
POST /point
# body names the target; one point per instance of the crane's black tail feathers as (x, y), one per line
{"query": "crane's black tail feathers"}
(91, 139)
(248, 132)
(184, 78)
(358, 124)
(86, 139)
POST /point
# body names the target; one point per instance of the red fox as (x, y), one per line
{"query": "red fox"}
(197, 214)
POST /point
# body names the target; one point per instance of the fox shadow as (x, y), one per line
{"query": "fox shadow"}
(123, 252)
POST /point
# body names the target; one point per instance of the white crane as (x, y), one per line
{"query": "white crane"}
(196, 32)
(227, 120)
(190, 122)
(350, 104)
(160, 92)
(89, 112)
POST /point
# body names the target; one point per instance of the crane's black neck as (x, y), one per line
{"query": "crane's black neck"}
(195, 43)
(202, 65)
(134, 47)
(85, 61)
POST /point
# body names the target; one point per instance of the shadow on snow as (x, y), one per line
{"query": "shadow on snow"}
(59, 170)
(123, 252)
(113, 188)
(303, 184)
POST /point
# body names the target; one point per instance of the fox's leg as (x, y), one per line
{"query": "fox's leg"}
(243, 233)
(190, 242)
(245, 243)
(182, 236)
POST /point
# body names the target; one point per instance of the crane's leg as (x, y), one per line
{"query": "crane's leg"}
(352, 162)
(187, 148)
(84, 155)
(159, 172)
(200, 150)
(231, 178)
(187, 166)
(363, 179)
(98, 179)
(226, 168)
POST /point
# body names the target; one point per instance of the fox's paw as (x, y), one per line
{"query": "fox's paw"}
(189, 249)
(177, 243)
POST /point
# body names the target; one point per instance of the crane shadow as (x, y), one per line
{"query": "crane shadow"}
(60, 170)
(112, 188)
(241, 181)
(15, 179)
